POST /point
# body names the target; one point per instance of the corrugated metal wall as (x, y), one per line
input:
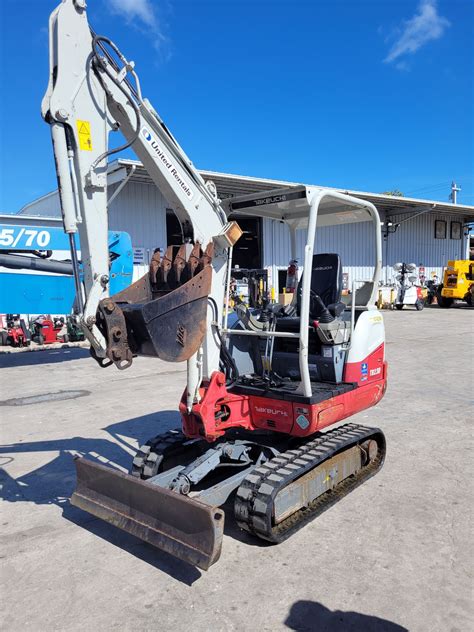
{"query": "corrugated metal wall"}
(353, 242)
(413, 242)
(140, 210)
(46, 206)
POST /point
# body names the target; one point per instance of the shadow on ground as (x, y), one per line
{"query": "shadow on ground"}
(49, 356)
(54, 482)
(310, 616)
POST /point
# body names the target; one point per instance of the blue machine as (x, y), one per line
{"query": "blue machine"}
(50, 289)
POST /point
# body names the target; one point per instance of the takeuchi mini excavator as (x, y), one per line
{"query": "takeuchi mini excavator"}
(261, 383)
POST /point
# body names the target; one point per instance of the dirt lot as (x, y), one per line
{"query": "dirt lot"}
(396, 554)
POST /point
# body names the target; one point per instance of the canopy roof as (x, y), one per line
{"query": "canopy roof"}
(293, 206)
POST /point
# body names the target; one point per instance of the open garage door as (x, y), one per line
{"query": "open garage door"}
(247, 251)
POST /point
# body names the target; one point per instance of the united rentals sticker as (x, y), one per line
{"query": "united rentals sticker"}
(167, 163)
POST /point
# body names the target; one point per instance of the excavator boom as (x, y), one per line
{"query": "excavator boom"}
(169, 313)
(89, 95)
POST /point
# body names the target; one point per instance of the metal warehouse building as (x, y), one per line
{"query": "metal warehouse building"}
(418, 231)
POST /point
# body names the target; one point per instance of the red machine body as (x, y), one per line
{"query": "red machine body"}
(220, 409)
(47, 330)
(16, 336)
(50, 332)
(16, 333)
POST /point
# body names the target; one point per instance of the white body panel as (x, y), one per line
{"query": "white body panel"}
(411, 296)
(368, 335)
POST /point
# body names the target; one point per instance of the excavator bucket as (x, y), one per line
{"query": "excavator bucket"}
(173, 326)
(161, 315)
(188, 529)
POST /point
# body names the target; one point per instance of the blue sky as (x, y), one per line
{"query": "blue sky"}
(369, 95)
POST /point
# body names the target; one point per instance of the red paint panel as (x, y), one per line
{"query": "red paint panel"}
(271, 414)
(331, 415)
(219, 410)
(373, 372)
(338, 408)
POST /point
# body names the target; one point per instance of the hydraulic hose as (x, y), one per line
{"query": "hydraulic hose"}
(99, 62)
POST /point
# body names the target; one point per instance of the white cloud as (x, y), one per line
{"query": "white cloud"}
(131, 10)
(424, 26)
(142, 15)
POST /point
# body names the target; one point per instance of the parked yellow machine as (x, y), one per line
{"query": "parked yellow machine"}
(458, 283)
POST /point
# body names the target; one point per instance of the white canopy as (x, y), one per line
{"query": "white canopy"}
(293, 206)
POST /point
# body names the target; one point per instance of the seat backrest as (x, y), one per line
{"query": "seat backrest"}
(326, 279)
(362, 297)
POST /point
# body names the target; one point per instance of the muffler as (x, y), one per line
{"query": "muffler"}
(186, 528)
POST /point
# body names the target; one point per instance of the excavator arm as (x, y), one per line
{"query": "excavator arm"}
(170, 313)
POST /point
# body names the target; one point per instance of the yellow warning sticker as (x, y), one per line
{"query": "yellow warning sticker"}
(84, 133)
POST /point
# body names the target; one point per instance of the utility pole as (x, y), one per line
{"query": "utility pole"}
(454, 191)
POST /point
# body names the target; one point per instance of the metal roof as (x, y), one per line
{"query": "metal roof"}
(231, 185)
(14, 219)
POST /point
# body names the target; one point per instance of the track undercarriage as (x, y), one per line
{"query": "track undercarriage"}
(278, 484)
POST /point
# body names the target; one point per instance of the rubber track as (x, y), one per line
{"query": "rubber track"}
(255, 497)
(149, 456)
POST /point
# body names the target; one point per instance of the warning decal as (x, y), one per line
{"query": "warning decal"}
(302, 422)
(84, 134)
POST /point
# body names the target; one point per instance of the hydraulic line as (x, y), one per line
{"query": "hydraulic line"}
(134, 96)
(78, 303)
(98, 61)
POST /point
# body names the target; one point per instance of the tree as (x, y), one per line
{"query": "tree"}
(394, 192)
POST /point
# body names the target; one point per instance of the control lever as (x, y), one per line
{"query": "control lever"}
(316, 304)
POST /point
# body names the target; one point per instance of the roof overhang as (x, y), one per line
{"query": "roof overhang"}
(231, 185)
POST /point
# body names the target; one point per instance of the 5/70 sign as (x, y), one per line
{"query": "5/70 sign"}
(32, 238)
(24, 238)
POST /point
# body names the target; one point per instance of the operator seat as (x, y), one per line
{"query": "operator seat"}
(326, 341)
(326, 288)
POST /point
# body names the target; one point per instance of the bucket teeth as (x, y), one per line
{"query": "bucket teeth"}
(167, 272)
(179, 263)
(162, 314)
(193, 261)
(207, 257)
(166, 265)
(155, 265)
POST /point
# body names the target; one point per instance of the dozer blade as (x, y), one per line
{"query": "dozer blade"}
(181, 526)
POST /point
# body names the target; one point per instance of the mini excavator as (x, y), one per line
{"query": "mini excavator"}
(260, 385)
